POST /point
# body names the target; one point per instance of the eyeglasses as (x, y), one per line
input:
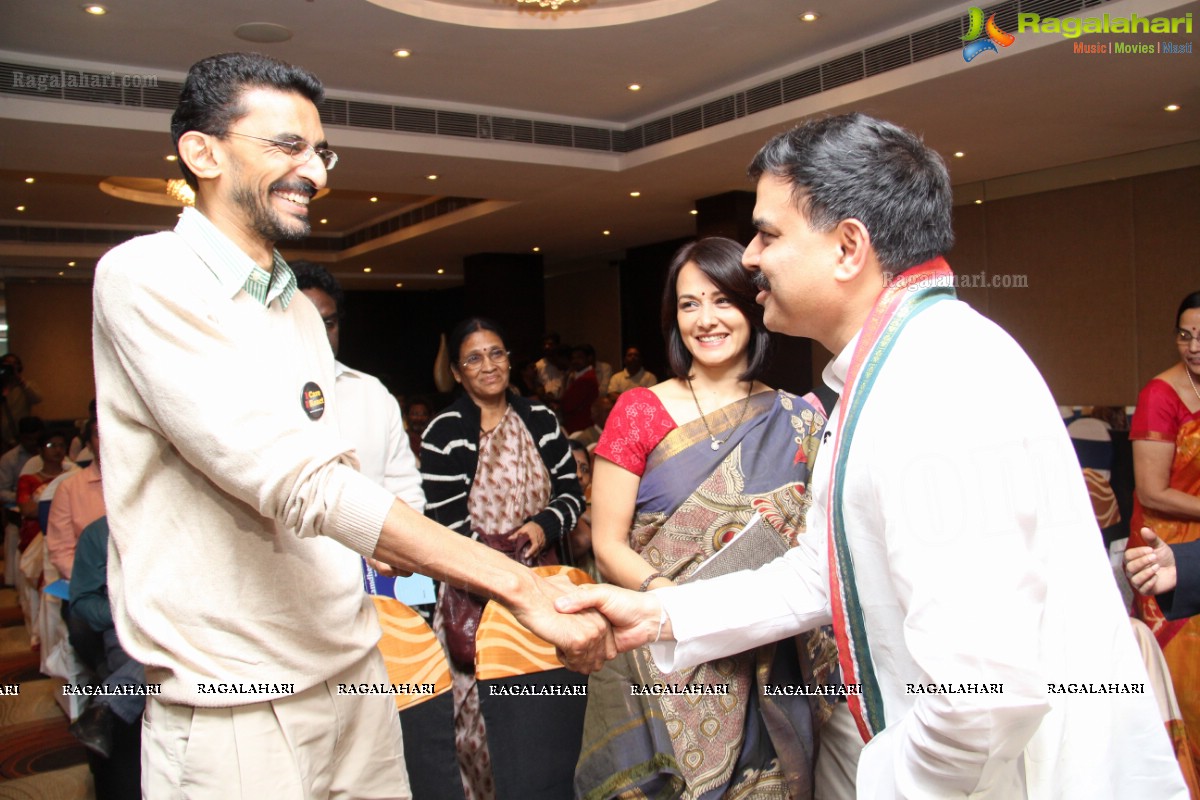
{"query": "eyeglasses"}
(298, 149)
(1184, 336)
(474, 361)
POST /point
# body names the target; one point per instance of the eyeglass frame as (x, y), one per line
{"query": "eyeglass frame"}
(1184, 336)
(303, 155)
(490, 355)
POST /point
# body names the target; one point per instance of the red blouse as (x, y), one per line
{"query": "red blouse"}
(1159, 413)
(637, 424)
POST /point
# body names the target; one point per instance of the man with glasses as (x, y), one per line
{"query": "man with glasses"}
(236, 513)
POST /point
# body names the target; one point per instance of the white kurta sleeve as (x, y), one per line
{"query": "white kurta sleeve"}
(737, 612)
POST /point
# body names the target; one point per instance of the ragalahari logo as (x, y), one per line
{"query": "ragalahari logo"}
(995, 36)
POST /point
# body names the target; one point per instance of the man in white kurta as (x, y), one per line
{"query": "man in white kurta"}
(1003, 656)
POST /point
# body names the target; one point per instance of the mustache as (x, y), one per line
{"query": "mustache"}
(298, 187)
(760, 282)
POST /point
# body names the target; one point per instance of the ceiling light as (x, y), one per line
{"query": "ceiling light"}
(607, 233)
(635, 87)
(441, 271)
(635, 194)
(29, 180)
(1171, 107)
(374, 199)
(262, 33)
(978, 202)
(810, 16)
(171, 158)
(399, 285)
(61, 274)
(959, 154)
(70, 263)
(402, 53)
(537, 249)
(20, 208)
(96, 11)
(366, 269)
(324, 221)
(693, 212)
(432, 177)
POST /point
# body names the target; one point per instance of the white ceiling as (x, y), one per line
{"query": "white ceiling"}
(1035, 107)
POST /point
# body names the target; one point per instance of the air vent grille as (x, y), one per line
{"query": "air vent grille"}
(936, 40)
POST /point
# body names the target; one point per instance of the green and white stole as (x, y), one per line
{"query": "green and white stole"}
(905, 296)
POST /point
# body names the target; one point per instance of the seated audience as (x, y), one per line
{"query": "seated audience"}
(51, 463)
(634, 374)
(552, 369)
(91, 616)
(579, 541)
(600, 411)
(77, 503)
(30, 432)
(582, 389)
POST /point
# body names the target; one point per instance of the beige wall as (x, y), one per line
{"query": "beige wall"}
(583, 307)
(1107, 265)
(50, 328)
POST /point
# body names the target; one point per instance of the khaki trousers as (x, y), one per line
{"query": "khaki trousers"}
(315, 745)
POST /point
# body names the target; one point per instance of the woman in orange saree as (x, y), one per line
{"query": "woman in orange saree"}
(1166, 456)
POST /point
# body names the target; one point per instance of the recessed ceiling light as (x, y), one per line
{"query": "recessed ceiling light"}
(61, 274)
(693, 212)
(959, 154)
(324, 221)
(978, 202)
(607, 233)
(402, 53)
(29, 180)
(399, 285)
(432, 177)
(1171, 107)
(70, 263)
(374, 199)
(537, 249)
(441, 271)
(262, 33)
(635, 194)
(171, 158)
(810, 16)
(20, 208)
(635, 87)
(96, 11)
(366, 269)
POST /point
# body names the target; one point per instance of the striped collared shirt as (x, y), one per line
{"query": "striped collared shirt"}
(235, 270)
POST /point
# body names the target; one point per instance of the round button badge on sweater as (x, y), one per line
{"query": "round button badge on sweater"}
(313, 400)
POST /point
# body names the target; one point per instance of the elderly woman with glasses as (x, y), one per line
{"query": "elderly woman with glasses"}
(497, 468)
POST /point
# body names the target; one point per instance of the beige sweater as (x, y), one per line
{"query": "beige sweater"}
(235, 516)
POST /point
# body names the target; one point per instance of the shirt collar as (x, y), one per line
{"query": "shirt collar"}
(231, 266)
(834, 374)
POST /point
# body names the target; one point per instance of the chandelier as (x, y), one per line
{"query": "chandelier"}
(550, 4)
(181, 192)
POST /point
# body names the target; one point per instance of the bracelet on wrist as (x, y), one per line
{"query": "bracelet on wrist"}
(649, 578)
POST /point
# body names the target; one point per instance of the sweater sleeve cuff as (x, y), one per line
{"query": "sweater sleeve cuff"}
(362, 508)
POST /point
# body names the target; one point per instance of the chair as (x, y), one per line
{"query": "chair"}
(414, 656)
(534, 739)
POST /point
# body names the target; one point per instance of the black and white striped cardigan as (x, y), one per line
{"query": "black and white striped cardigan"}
(450, 456)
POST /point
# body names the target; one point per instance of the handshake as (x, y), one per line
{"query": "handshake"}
(589, 625)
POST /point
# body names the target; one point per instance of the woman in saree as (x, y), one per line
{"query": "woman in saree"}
(680, 468)
(1166, 464)
(497, 468)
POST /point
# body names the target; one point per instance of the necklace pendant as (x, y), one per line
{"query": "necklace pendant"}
(716, 444)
